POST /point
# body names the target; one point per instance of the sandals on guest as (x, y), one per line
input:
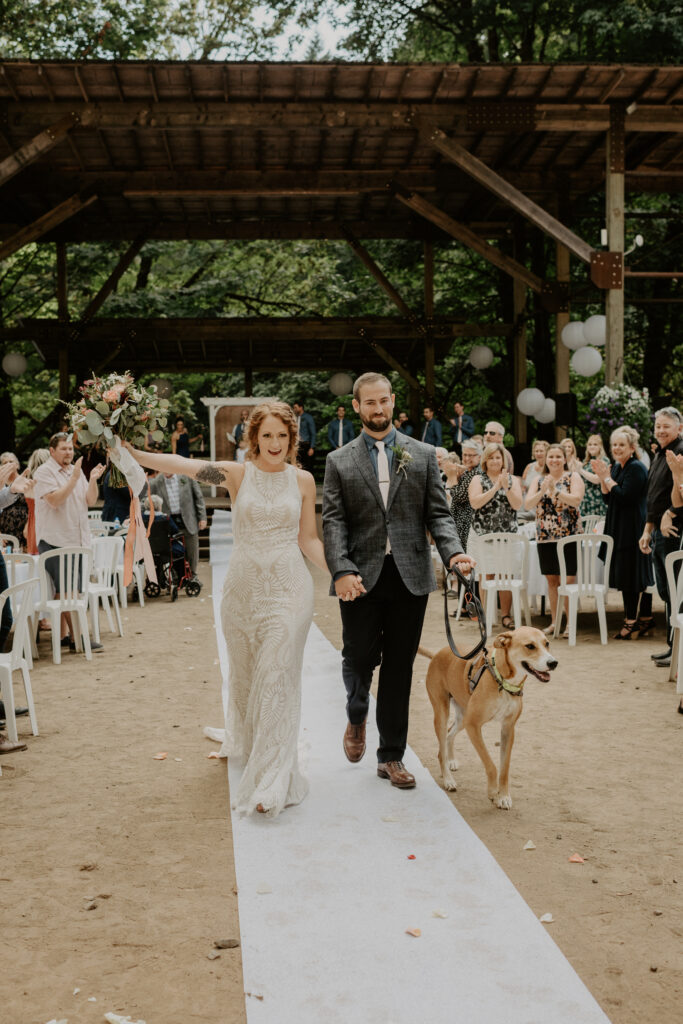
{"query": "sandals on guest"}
(645, 625)
(508, 622)
(549, 630)
(628, 631)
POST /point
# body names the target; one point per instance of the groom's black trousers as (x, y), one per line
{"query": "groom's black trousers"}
(383, 627)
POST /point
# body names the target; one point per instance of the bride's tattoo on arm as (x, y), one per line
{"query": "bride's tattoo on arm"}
(211, 474)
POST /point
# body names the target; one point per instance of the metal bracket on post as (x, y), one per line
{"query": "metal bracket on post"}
(482, 117)
(555, 296)
(607, 270)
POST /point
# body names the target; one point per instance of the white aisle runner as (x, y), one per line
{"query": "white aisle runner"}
(327, 891)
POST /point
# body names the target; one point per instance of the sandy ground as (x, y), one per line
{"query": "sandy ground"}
(117, 871)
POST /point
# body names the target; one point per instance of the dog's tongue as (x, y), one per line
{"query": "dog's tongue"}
(544, 676)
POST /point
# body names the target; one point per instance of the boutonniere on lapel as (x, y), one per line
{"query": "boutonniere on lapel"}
(402, 458)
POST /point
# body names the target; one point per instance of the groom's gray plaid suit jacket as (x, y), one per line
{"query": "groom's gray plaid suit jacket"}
(356, 523)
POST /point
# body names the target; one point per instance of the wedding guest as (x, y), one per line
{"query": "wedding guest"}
(431, 430)
(403, 424)
(307, 436)
(535, 468)
(556, 496)
(116, 500)
(593, 504)
(495, 496)
(624, 490)
(183, 501)
(668, 422)
(340, 430)
(181, 440)
(569, 449)
(62, 497)
(672, 526)
(239, 435)
(451, 470)
(461, 510)
(462, 426)
(494, 433)
(14, 516)
(38, 457)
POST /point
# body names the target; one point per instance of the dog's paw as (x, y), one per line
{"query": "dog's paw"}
(449, 784)
(504, 801)
(453, 765)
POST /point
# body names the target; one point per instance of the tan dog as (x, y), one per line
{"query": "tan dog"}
(515, 654)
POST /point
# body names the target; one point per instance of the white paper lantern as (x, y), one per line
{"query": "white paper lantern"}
(481, 356)
(14, 364)
(595, 329)
(546, 413)
(340, 384)
(586, 361)
(163, 386)
(572, 334)
(530, 401)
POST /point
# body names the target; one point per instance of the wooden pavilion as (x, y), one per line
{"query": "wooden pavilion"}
(132, 151)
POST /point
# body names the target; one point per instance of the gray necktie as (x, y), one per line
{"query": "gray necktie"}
(383, 477)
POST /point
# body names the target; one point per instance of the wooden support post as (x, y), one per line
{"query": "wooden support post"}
(429, 313)
(117, 273)
(379, 276)
(63, 315)
(465, 235)
(40, 144)
(51, 219)
(492, 181)
(562, 258)
(519, 357)
(614, 201)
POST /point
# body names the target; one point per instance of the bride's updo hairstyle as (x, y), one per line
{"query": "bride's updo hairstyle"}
(284, 413)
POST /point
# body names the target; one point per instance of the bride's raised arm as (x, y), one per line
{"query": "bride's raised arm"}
(220, 474)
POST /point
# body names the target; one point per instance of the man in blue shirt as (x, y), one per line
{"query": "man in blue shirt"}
(462, 427)
(340, 430)
(403, 424)
(307, 436)
(431, 431)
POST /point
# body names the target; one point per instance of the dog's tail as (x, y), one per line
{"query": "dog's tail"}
(425, 653)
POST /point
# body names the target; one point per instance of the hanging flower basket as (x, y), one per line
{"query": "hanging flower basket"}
(620, 405)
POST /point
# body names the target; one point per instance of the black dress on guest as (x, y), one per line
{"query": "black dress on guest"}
(630, 569)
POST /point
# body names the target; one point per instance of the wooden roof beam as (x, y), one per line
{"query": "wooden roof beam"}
(381, 278)
(178, 114)
(39, 144)
(510, 195)
(465, 235)
(110, 284)
(52, 219)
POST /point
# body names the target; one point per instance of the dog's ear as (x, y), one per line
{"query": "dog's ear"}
(503, 640)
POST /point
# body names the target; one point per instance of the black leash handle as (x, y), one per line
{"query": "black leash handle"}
(470, 599)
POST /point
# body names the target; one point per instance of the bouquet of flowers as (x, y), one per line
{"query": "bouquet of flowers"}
(113, 407)
(619, 405)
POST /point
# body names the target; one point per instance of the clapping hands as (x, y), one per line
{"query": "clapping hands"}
(600, 468)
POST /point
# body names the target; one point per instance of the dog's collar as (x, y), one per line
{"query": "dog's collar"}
(503, 684)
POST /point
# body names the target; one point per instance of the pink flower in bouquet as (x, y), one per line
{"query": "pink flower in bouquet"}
(112, 396)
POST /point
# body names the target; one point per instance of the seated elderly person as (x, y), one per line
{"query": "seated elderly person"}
(13, 507)
(164, 528)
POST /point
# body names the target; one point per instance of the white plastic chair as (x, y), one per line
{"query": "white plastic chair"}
(674, 579)
(21, 568)
(504, 556)
(73, 598)
(591, 580)
(8, 540)
(592, 524)
(22, 599)
(106, 553)
(98, 528)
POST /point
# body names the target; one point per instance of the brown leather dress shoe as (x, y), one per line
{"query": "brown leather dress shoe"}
(7, 747)
(396, 772)
(354, 741)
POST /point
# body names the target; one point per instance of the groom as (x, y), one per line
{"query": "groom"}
(382, 493)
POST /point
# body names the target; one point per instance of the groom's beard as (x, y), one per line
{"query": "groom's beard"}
(378, 423)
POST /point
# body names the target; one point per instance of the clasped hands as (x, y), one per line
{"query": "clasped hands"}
(349, 587)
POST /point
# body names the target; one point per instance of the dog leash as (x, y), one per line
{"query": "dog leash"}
(470, 599)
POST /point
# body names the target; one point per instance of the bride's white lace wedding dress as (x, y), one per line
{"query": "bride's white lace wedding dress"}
(266, 613)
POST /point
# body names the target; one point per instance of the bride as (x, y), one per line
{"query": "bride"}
(267, 604)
